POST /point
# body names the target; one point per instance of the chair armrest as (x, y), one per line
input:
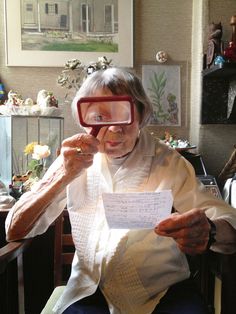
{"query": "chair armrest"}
(11, 251)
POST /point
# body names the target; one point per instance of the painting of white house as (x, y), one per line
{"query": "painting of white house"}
(162, 84)
(47, 33)
(69, 25)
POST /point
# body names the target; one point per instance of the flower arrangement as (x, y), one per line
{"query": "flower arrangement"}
(36, 167)
(74, 72)
(38, 153)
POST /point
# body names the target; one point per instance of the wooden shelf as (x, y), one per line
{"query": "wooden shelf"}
(225, 70)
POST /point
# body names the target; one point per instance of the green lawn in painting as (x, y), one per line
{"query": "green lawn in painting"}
(91, 46)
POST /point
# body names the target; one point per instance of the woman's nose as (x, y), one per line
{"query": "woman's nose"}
(115, 128)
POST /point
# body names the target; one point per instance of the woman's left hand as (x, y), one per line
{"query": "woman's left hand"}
(190, 230)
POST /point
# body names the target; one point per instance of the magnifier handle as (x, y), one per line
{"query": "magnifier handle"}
(94, 131)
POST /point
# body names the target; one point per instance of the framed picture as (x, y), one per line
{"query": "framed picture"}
(48, 33)
(162, 84)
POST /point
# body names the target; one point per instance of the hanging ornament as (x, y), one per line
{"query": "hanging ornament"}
(161, 56)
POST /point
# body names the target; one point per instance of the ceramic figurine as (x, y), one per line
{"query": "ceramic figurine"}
(219, 60)
(47, 104)
(29, 102)
(14, 99)
(214, 47)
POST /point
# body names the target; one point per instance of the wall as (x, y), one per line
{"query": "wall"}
(159, 25)
(166, 25)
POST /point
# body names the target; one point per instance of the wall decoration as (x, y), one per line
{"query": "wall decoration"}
(44, 33)
(162, 84)
(161, 56)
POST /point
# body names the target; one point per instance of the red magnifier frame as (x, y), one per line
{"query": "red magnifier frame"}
(103, 99)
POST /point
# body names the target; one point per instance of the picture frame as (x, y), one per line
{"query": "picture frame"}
(162, 84)
(118, 32)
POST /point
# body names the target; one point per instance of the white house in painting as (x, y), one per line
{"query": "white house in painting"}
(72, 16)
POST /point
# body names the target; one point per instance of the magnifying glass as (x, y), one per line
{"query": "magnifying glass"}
(101, 111)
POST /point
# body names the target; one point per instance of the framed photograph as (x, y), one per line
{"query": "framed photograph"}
(162, 84)
(48, 33)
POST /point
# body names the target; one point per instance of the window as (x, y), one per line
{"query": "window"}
(29, 7)
(109, 23)
(51, 9)
(86, 18)
(108, 14)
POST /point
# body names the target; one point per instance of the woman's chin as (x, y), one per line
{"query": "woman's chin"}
(116, 153)
(113, 154)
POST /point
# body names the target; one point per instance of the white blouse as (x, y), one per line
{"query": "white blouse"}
(133, 268)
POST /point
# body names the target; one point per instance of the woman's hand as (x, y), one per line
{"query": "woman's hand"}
(77, 154)
(190, 230)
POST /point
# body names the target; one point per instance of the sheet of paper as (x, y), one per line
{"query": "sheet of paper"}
(137, 210)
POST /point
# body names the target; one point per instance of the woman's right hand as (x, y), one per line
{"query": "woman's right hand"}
(77, 154)
(69, 164)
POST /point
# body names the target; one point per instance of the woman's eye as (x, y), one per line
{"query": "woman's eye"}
(98, 118)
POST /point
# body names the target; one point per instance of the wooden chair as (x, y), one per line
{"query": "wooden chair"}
(206, 268)
(205, 272)
(64, 252)
(227, 262)
(63, 256)
(11, 268)
(229, 168)
(63, 249)
(197, 162)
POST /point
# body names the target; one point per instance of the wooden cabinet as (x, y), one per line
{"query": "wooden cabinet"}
(218, 84)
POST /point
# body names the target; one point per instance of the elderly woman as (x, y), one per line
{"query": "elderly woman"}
(124, 271)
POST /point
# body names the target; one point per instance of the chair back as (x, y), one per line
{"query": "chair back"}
(11, 274)
(229, 168)
(63, 249)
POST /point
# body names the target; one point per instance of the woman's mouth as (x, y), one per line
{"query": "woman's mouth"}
(113, 143)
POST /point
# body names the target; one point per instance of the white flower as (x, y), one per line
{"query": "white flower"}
(40, 152)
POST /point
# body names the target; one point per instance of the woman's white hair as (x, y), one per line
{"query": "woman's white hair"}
(120, 82)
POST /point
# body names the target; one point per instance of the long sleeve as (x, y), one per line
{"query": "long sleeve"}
(38, 208)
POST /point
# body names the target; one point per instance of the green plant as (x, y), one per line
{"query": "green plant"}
(157, 89)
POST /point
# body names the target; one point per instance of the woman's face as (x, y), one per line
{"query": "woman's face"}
(117, 141)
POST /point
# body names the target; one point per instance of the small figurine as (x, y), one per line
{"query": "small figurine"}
(43, 98)
(230, 50)
(214, 47)
(17, 186)
(29, 102)
(46, 99)
(173, 108)
(14, 99)
(19, 178)
(6, 200)
(47, 104)
(219, 60)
